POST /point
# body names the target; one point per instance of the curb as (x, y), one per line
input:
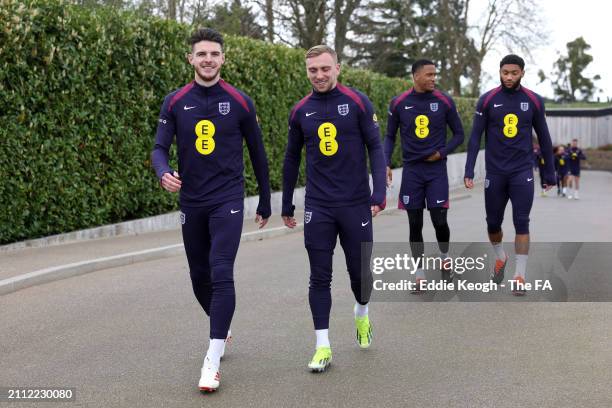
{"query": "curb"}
(55, 273)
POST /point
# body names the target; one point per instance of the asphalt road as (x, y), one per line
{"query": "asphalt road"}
(134, 336)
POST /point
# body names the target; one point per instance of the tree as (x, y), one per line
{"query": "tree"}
(306, 20)
(517, 24)
(389, 36)
(569, 73)
(234, 18)
(343, 12)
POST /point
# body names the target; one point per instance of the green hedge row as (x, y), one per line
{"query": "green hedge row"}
(80, 92)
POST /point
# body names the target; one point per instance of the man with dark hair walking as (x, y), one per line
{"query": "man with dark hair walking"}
(422, 114)
(210, 119)
(508, 114)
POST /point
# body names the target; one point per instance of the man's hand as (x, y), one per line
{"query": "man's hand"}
(434, 157)
(261, 222)
(469, 183)
(171, 182)
(289, 221)
(375, 210)
(389, 176)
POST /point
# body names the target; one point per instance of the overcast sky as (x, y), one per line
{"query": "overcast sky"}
(565, 21)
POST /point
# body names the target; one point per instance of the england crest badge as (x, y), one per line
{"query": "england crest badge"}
(224, 108)
(433, 106)
(343, 109)
(524, 106)
(307, 216)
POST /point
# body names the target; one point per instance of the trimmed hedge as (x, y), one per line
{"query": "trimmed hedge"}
(80, 92)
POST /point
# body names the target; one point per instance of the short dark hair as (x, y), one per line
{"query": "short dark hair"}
(512, 59)
(205, 34)
(418, 64)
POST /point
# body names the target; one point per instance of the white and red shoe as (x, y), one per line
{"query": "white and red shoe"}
(210, 378)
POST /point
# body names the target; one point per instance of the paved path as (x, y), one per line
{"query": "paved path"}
(134, 336)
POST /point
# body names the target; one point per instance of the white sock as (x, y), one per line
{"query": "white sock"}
(499, 251)
(322, 338)
(361, 310)
(564, 190)
(521, 265)
(420, 274)
(215, 348)
(444, 256)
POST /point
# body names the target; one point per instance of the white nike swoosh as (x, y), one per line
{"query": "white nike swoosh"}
(497, 106)
(479, 113)
(408, 107)
(310, 114)
(189, 107)
(363, 225)
(234, 212)
(529, 179)
(440, 201)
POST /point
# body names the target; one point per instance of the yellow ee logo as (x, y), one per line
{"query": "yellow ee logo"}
(327, 133)
(422, 129)
(562, 162)
(510, 125)
(205, 130)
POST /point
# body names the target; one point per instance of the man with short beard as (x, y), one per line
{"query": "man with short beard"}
(210, 119)
(508, 114)
(336, 124)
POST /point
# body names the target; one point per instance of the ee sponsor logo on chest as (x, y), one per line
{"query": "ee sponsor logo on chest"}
(327, 133)
(205, 130)
(422, 126)
(510, 125)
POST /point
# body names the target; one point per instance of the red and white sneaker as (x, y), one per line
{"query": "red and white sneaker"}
(518, 289)
(210, 378)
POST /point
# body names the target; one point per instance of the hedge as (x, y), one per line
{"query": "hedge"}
(80, 91)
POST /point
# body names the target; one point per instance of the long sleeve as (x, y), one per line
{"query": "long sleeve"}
(478, 126)
(371, 135)
(392, 125)
(166, 129)
(545, 142)
(291, 166)
(454, 122)
(254, 140)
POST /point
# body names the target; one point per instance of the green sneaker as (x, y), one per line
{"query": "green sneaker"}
(364, 331)
(321, 360)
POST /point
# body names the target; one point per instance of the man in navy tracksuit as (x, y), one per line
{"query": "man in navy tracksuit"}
(337, 125)
(422, 114)
(575, 155)
(561, 168)
(538, 160)
(508, 114)
(210, 119)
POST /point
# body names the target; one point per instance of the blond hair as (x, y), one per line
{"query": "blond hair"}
(321, 49)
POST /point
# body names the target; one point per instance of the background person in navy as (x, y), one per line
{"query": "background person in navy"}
(337, 125)
(575, 155)
(540, 164)
(422, 114)
(210, 120)
(562, 170)
(507, 115)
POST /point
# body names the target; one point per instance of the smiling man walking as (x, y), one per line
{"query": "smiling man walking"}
(210, 119)
(337, 125)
